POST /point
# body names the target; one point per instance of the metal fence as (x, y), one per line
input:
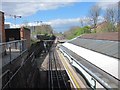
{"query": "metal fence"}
(10, 50)
(21, 78)
(22, 72)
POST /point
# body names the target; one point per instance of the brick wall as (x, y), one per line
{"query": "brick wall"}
(2, 31)
(18, 34)
(25, 34)
(103, 36)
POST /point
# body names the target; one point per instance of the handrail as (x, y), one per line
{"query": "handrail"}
(12, 42)
(16, 72)
(98, 68)
(89, 72)
(4, 73)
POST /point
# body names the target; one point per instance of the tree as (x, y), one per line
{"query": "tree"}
(118, 24)
(111, 17)
(94, 14)
(86, 29)
(81, 22)
(76, 31)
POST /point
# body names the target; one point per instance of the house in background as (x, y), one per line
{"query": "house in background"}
(100, 27)
(104, 27)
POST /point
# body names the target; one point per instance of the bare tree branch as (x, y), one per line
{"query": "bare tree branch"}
(118, 24)
(94, 14)
(111, 17)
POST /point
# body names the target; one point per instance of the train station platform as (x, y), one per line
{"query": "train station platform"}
(58, 67)
(10, 56)
(98, 60)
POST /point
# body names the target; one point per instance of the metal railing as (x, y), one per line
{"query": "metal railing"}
(11, 50)
(11, 82)
(22, 69)
(95, 79)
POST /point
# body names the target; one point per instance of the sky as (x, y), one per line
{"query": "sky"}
(60, 15)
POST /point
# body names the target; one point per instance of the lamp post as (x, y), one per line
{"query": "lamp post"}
(15, 16)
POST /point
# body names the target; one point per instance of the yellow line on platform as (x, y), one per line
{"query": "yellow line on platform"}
(69, 71)
(74, 80)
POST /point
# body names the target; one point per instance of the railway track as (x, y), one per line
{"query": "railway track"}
(57, 77)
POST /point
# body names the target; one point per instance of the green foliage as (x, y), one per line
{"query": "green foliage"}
(86, 29)
(76, 31)
(44, 29)
(109, 28)
(33, 41)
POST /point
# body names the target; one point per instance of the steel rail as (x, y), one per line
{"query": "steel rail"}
(55, 77)
(60, 69)
(56, 71)
(50, 72)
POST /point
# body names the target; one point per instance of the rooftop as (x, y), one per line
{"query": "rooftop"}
(113, 36)
(17, 28)
(106, 44)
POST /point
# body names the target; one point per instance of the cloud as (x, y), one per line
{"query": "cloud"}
(8, 23)
(58, 22)
(65, 24)
(61, 25)
(107, 4)
(59, 0)
(29, 8)
(101, 19)
(41, 1)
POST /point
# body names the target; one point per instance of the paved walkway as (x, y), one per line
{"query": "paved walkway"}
(6, 59)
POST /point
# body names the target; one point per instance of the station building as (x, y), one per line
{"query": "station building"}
(18, 34)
